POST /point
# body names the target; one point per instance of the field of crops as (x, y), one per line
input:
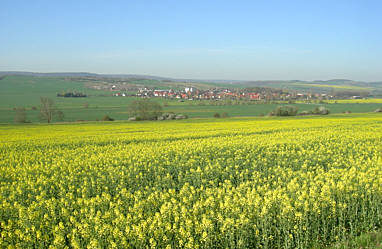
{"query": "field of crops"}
(233, 183)
(355, 101)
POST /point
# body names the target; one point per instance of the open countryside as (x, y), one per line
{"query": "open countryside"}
(243, 181)
(25, 91)
(191, 124)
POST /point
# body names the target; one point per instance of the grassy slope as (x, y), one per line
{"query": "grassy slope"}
(25, 91)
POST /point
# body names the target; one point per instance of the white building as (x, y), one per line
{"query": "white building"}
(188, 89)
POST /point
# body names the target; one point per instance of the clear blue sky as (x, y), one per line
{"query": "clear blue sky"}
(246, 40)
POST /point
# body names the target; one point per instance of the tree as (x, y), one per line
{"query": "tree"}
(107, 118)
(20, 115)
(286, 110)
(48, 110)
(145, 109)
(216, 115)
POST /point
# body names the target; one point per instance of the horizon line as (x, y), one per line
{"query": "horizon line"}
(180, 78)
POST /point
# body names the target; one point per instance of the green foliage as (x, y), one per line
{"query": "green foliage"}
(71, 95)
(286, 110)
(145, 109)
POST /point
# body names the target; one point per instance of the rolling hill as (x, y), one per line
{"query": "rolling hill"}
(317, 86)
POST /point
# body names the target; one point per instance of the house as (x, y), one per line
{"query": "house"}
(253, 95)
(189, 89)
(161, 93)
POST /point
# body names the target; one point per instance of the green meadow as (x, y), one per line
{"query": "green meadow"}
(25, 91)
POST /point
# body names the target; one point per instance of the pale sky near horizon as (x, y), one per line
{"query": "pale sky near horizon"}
(243, 40)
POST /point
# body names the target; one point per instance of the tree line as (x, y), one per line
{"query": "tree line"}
(48, 112)
(71, 95)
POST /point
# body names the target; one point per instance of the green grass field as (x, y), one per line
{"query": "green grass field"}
(25, 91)
(347, 87)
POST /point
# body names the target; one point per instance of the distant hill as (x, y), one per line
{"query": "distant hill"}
(320, 86)
(119, 76)
(80, 74)
(324, 86)
(62, 74)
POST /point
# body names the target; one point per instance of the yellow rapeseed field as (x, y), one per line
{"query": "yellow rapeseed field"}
(234, 183)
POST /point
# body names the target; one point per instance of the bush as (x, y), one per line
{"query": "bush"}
(322, 110)
(304, 113)
(224, 115)
(180, 116)
(216, 115)
(107, 118)
(164, 116)
(169, 116)
(316, 111)
(145, 109)
(286, 110)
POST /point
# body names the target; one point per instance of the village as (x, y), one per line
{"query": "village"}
(192, 93)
